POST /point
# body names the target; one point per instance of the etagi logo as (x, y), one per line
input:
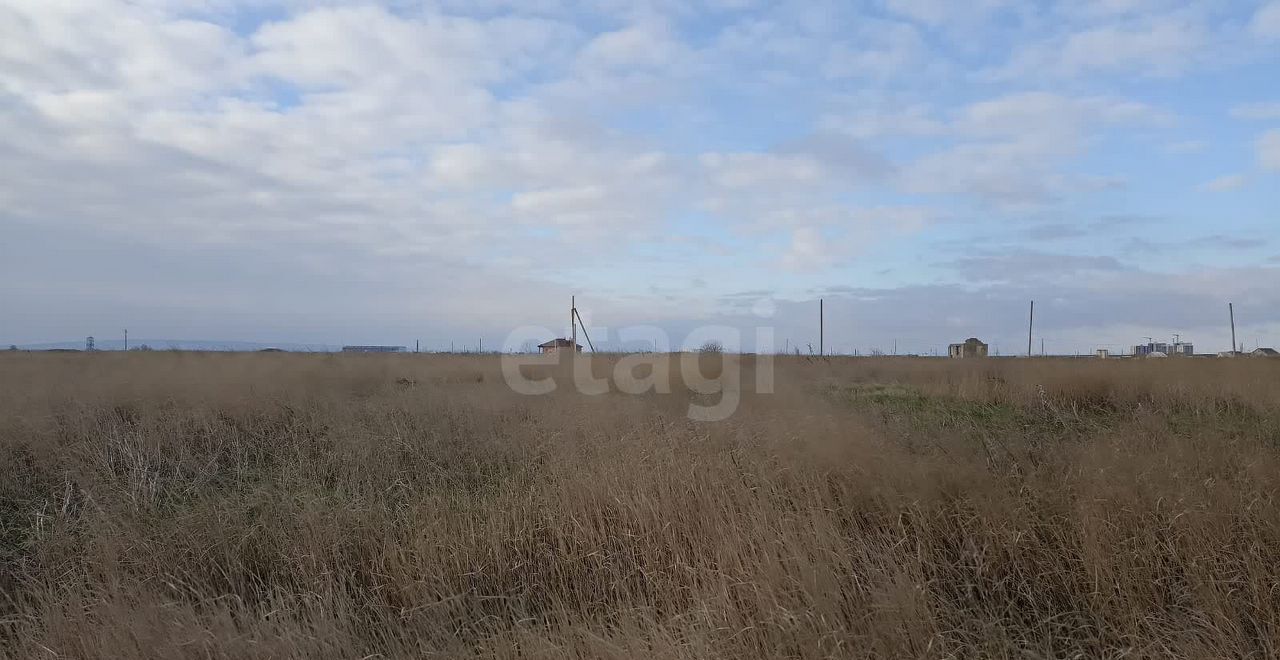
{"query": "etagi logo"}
(641, 373)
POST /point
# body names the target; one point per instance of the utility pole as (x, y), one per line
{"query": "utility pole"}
(126, 339)
(821, 329)
(1231, 308)
(585, 334)
(573, 321)
(481, 349)
(1031, 324)
(1042, 347)
(417, 344)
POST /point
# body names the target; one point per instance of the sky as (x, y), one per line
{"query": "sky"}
(454, 171)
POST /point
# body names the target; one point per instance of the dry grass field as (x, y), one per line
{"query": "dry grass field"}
(172, 505)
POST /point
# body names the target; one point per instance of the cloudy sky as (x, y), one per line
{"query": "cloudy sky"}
(331, 172)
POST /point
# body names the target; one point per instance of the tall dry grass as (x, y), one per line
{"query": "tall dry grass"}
(175, 505)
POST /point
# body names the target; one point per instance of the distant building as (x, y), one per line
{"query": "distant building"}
(559, 344)
(1151, 349)
(1265, 352)
(1102, 353)
(374, 349)
(971, 348)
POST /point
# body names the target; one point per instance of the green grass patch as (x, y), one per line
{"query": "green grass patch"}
(924, 414)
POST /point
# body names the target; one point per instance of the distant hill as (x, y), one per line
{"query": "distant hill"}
(180, 345)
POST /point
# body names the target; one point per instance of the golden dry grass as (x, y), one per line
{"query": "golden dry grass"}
(174, 505)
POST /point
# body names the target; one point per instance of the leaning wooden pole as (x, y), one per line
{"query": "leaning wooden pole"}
(585, 334)
(1031, 325)
(1231, 308)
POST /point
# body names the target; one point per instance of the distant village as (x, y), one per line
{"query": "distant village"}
(976, 348)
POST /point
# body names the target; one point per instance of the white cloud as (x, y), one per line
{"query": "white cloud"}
(912, 120)
(648, 45)
(1266, 22)
(1160, 46)
(808, 250)
(1027, 265)
(943, 12)
(1009, 174)
(881, 49)
(824, 236)
(1007, 149)
(1014, 145)
(1110, 8)
(1269, 150)
(366, 45)
(169, 127)
(807, 44)
(1042, 113)
(749, 170)
(466, 165)
(1258, 111)
(113, 49)
(1224, 183)
(378, 144)
(926, 11)
(561, 205)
